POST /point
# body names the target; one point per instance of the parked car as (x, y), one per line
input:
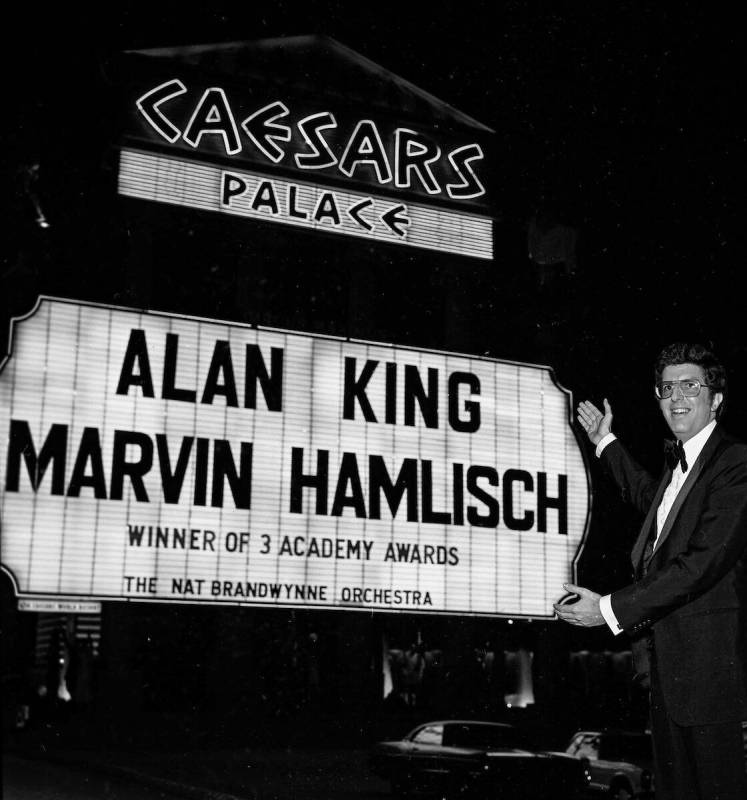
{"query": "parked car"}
(620, 763)
(472, 758)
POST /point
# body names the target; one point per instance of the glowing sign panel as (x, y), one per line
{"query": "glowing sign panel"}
(161, 458)
(182, 182)
(210, 121)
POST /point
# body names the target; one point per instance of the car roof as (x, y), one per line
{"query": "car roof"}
(466, 722)
(613, 732)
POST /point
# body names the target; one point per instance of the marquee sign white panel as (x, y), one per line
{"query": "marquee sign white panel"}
(204, 186)
(154, 457)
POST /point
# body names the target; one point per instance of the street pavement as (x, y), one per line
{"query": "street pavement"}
(28, 780)
(190, 767)
(311, 756)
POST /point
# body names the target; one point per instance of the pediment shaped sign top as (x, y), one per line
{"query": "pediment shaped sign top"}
(319, 65)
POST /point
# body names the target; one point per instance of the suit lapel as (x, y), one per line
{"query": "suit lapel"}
(705, 455)
(636, 554)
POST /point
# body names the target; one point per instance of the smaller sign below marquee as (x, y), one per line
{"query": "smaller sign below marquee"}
(56, 605)
(207, 187)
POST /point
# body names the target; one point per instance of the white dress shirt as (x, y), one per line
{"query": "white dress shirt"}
(692, 448)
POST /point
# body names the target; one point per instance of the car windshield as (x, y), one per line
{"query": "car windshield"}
(430, 734)
(481, 736)
(626, 747)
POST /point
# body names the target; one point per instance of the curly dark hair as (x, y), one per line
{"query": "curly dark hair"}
(701, 356)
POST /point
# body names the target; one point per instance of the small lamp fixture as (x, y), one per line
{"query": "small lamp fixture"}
(30, 180)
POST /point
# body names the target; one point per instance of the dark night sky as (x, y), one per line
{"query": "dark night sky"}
(623, 109)
(629, 113)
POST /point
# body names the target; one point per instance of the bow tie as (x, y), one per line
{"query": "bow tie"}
(674, 452)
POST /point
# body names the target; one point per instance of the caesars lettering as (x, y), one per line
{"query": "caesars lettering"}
(413, 487)
(88, 469)
(220, 380)
(464, 417)
(409, 160)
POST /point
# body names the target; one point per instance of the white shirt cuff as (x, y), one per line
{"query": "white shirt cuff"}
(605, 606)
(610, 437)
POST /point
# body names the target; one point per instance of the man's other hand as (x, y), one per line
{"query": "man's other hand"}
(584, 611)
(596, 424)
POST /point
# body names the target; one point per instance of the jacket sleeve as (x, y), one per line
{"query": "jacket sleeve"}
(636, 484)
(718, 541)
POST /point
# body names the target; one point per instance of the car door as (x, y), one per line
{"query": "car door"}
(586, 745)
(462, 748)
(626, 757)
(425, 756)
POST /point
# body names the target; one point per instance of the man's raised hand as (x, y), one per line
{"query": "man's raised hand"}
(596, 424)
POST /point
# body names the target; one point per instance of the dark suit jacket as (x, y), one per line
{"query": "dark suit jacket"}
(691, 598)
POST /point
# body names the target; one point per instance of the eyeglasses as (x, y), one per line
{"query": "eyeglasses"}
(689, 388)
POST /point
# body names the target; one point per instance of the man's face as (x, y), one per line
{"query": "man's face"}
(687, 416)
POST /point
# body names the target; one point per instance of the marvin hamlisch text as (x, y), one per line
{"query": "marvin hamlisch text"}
(140, 461)
(478, 495)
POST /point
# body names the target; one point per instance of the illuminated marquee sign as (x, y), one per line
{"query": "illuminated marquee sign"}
(206, 121)
(181, 182)
(161, 458)
(210, 148)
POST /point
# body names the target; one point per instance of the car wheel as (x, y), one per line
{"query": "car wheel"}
(621, 791)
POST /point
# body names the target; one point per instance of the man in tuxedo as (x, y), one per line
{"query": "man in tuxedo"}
(686, 610)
